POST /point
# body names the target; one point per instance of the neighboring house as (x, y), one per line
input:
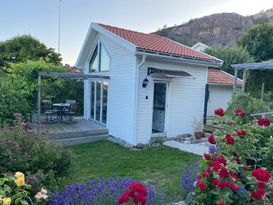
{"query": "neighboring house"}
(220, 90)
(200, 47)
(156, 86)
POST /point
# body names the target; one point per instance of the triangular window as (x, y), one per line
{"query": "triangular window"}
(100, 60)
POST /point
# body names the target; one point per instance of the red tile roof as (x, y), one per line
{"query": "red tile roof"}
(221, 77)
(158, 44)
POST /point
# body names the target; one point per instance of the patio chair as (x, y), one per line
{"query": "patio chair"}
(47, 110)
(73, 108)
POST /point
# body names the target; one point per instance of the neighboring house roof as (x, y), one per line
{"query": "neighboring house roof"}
(200, 46)
(220, 77)
(158, 44)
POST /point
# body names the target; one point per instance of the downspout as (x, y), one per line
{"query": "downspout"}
(136, 95)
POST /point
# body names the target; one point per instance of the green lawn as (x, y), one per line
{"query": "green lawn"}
(160, 165)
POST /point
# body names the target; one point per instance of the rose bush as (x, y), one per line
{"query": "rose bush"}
(15, 190)
(236, 170)
(43, 162)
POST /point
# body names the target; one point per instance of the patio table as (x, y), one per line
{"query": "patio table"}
(61, 107)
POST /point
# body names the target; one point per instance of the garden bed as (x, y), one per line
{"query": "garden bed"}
(159, 165)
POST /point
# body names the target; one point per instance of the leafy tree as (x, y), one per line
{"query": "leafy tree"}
(23, 48)
(258, 41)
(18, 88)
(230, 56)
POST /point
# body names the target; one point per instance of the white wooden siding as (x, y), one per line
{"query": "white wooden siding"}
(219, 97)
(185, 100)
(121, 103)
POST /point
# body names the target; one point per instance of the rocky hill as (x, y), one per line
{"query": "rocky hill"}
(215, 30)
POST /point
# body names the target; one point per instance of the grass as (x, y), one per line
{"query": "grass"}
(159, 165)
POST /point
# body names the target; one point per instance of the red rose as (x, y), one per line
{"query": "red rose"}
(202, 186)
(261, 185)
(240, 112)
(223, 172)
(229, 139)
(211, 139)
(222, 160)
(235, 187)
(221, 203)
(221, 185)
(216, 165)
(258, 194)
(207, 156)
(234, 175)
(264, 122)
(220, 112)
(199, 177)
(124, 198)
(241, 132)
(245, 168)
(206, 172)
(215, 182)
(261, 175)
(231, 123)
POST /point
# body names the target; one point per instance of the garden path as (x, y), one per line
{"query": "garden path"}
(198, 149)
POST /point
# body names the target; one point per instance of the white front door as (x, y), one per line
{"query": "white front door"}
(159, 107)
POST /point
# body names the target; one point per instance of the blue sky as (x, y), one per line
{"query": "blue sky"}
(40, 17)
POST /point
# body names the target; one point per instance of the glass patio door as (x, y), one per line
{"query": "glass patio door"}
(99, 92)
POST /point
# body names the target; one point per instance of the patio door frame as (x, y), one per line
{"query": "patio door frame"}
(94, 103)
(164, 133)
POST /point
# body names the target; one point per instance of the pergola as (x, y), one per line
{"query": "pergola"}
(248, 67)
(72, 76)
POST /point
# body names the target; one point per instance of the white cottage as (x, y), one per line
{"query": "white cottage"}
(149, 85)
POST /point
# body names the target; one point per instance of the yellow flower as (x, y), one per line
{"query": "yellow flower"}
(6, 201)
(20, 181)
(19, 174)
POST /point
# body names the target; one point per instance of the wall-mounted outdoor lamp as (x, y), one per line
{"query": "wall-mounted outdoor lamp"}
(145, 83)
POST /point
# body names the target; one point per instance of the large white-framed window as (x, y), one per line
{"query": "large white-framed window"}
(100, 59)
(99, 99)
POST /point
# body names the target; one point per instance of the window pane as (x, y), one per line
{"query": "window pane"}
(105, 60)
(98, 100)
(92, 99)
(94, 62)
(104, 102)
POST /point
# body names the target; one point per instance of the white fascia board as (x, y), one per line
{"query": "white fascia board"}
(95, 27)
(181, 59)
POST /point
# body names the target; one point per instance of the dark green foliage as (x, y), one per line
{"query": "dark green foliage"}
(18, 89)
(13, 99)
(258, 41)
(24, 48)
(230, 56)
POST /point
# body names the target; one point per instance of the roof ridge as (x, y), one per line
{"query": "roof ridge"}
(125, 29)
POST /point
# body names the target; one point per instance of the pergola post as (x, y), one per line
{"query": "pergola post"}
(262, 92)
(235, 80)
(39, 102)
(244, 80)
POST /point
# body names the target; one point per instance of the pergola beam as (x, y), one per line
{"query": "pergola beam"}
(72, 75)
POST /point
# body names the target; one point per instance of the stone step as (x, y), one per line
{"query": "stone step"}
(82, 140)
(68, 135)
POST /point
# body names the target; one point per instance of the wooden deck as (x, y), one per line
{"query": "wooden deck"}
(83, 131)
(81, 125)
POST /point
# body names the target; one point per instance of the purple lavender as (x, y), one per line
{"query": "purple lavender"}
(102, 191)
(212, 149)
(189, 177)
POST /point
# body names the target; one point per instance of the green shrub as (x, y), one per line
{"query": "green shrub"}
(250, 104)
(22, 150)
